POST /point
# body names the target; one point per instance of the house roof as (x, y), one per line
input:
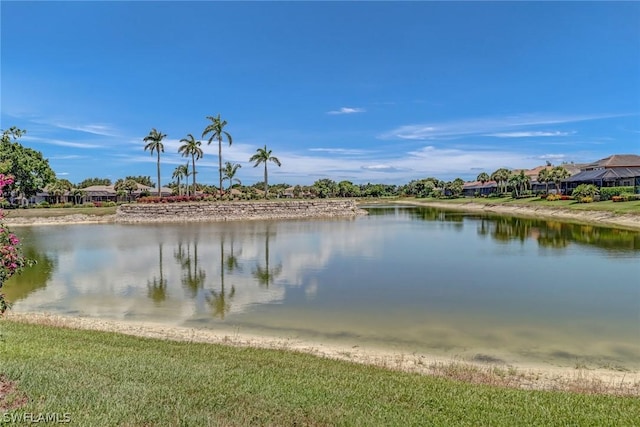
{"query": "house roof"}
(477, 184)
(616, 161)
(605, 174)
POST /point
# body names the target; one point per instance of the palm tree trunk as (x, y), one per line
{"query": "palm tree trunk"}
(266, 185)
(220, 163)
(159, 192)
(193, 171)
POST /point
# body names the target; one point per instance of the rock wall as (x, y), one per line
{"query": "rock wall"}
(230, 211)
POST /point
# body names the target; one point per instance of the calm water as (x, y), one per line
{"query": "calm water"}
(413, 279)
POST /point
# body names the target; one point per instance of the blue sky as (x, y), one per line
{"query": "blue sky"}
(362, 91)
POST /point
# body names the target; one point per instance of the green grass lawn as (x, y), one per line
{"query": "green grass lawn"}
(108, 379)
(55, 212)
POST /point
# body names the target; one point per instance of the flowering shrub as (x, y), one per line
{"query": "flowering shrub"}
(11, 260)
(553, 197)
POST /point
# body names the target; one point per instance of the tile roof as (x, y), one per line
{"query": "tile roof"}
(616, 161)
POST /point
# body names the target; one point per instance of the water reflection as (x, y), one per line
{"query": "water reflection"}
(31, 279)
(193, 276)
(415, 278)
(158, 285)
(263, 274)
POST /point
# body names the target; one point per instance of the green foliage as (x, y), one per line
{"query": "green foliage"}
(585, 193)
(262, 156)
(216, 131)
(326, 188)
(606, 193)
(30, 170)
(93, 181)
(140, 179)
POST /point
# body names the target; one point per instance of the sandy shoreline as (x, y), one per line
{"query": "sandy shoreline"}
(523, 376)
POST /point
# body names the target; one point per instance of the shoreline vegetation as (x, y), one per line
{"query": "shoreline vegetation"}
(607, 214)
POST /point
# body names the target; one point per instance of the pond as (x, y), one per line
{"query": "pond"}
(412, 279)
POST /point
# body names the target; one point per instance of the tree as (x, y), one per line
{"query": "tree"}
(455, 187)
(58, 187)
(29, 170)
(78, 195)
(154, 142)
(501, 176)
(127, 185)
(216, 131)
(347, 189)
(142, 180)
(264, 156)
(558, 174)
(483, 177)
(326, 188)
(11, 261)
(178, 173)
(93, 181)
(229, 172)
(191, 147)
(544, 177)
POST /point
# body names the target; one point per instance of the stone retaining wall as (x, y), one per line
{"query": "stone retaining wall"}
(229, 211)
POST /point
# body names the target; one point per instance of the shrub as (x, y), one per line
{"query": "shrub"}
(585, 191)
(553, 197)
(88, 205)
(44, 204)
(109, 204)
(607, 193)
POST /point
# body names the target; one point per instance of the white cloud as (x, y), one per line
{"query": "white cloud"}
(92, 128)
(383, 168)
(483, 126)
(347, 110)
(60, 142)
(346, 151)
(530, 134)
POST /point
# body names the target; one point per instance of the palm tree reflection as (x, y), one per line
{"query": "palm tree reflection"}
(219, 300)
(265, 275)
(157, 287)
(193, 277)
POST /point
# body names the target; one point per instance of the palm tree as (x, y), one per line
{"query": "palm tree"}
(215, 129)
(559, 173)
(157, 288)
(544, 176)
(483, 177)
(229, 172)
(128, 186)
(501, 176)
(265, 275)
(191, 147)
(154, 143)
(263, 156)
(178, 173)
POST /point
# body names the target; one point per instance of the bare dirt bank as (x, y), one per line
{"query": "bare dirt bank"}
(539, 377)
(630, 221)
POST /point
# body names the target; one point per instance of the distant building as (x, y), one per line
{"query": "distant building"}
(613, 171)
